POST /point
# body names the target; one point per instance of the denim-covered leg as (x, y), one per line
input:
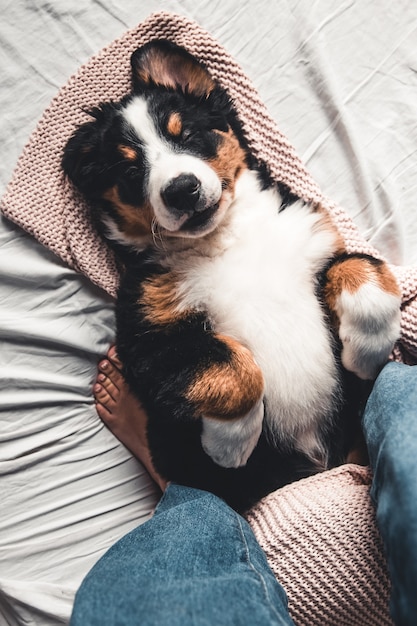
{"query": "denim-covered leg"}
(390, 424)
(194, 562)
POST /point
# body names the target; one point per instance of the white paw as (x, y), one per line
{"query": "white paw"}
(230, 443)
(369, 328)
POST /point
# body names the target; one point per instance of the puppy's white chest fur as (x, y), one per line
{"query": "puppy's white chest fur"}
(258, 287)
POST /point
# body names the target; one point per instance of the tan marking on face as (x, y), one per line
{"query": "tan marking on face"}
(174, 125)
(128, 152)
(135, 221)
(228, 390)
(230, 159)
(351, 274)
(159, 300)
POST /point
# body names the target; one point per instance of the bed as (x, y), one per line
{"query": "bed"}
(340, 81)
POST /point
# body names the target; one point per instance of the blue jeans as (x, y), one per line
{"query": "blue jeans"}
(197, 562)
(390, 425)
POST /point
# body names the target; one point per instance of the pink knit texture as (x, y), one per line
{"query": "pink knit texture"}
(319, 534)
(321, 541)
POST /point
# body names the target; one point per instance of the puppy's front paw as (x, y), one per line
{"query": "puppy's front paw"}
(369, 328)
(230, 443)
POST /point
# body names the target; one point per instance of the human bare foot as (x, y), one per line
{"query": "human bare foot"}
(122, 412)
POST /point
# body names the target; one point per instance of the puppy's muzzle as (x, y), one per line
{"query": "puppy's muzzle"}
(183, 195)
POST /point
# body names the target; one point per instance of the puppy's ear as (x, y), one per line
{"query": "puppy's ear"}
(163, 63)
(83, 158)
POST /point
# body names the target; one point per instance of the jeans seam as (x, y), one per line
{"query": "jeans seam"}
(258, 574)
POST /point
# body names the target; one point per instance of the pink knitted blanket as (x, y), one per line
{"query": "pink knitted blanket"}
(319, 534)
(321, 541)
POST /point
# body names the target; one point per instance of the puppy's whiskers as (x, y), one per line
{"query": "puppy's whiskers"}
(157, 235)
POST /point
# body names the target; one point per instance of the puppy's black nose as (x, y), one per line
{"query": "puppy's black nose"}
(182, 194)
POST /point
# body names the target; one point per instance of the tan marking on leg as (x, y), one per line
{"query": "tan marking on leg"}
(352, 273)
(349, 275)
(159, 300)
(136, 221)
(387, 280)
(228, 390)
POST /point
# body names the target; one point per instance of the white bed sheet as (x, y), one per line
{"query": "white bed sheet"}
(341, 81)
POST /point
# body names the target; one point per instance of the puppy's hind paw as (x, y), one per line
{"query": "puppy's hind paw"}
(231, 442)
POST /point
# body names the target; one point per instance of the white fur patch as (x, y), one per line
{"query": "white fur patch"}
(258, 287)
(230, 443)
(369, 328)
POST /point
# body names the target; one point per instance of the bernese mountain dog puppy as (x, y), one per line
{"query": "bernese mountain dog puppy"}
(245, 328)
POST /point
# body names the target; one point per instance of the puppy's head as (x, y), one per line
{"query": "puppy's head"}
(163, 159)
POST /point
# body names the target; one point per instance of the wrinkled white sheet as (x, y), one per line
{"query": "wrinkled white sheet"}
(341, 81)
(68, 488)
